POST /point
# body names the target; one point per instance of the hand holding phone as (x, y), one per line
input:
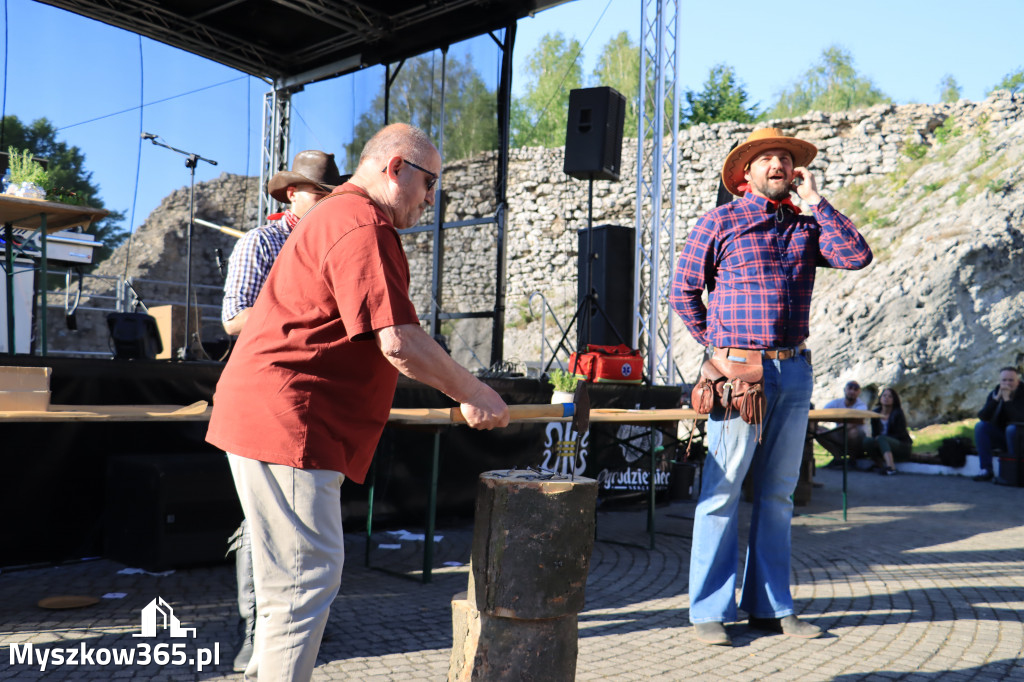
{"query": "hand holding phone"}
(805, 186)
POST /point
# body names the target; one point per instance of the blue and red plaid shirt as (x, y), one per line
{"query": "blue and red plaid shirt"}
(250, 262)
(759, 272)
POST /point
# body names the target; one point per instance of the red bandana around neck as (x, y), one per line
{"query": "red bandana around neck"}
(773, 205)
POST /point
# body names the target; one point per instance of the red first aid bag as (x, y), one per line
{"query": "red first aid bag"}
(608, 365)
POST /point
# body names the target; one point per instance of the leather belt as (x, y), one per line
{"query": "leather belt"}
(771, 354)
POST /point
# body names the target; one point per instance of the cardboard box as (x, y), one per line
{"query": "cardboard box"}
(170, 321)
(25, 389)
(24, 401)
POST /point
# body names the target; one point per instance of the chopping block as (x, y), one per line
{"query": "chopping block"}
(532, 539)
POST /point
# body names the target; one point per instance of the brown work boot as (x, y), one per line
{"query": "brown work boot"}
(711, 633)
(791, 626)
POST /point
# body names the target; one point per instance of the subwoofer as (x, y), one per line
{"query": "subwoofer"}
(169, 510)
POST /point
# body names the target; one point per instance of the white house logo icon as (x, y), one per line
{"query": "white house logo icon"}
(158, 608)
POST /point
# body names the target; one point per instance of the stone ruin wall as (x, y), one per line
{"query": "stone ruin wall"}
(545, 210)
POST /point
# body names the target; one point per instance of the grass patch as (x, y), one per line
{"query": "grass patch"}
(928, 439)
(961, 193)
(947, 131)
(914, 150)
(904, 170)
(852, 202)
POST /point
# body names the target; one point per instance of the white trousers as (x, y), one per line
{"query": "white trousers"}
(298, 550)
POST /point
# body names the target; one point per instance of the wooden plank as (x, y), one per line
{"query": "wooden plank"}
(24, 212)
(197, 411)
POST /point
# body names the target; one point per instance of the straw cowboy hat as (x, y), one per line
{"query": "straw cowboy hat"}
(761, 140)
(309, 167)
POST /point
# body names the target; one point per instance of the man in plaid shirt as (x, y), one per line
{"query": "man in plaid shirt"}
(756, 257)
(313, 176)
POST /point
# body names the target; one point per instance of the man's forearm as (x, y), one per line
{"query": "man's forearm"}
(235, 324)
(416, 355)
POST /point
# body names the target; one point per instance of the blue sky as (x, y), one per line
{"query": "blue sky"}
(89, 78)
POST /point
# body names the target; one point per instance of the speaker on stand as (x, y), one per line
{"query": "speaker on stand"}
(605, 285)
(593, 151)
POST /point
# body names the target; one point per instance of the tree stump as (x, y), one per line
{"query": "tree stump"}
(532, 540)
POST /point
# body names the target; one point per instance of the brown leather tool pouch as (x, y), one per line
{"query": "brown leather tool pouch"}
(734, 379)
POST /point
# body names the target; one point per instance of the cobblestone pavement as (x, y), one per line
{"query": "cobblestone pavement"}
(923, 581)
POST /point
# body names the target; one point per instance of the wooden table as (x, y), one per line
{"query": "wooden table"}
(433, 418)
(844, 415)
(198, 411)
(45, 216)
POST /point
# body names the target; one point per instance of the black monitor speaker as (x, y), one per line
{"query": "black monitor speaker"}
(171, 510)
(608, 320)
(134, 335)
(593, 136)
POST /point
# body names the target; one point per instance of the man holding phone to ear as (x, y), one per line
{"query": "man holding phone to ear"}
(756, 257)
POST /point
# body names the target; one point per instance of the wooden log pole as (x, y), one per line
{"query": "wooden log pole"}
(532, 541)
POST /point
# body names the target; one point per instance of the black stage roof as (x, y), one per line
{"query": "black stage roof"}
(297, 41)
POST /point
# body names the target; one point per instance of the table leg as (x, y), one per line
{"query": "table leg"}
(846, 457)
(369, 512)
(43, 279)
(651, 489)
(9, 258)
(428, 547)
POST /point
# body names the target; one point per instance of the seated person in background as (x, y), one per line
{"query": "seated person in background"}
(832, 439)
(1003, 407)
(889, 435)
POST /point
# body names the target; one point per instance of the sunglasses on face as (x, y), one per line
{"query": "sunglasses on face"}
(433, 176)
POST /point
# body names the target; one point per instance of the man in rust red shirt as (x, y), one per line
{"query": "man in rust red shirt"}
(756, 257)
(304, 398)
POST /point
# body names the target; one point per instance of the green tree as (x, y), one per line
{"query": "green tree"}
(832, 84)
(471, 123)
(1013, 81)
(949, 89)
(66, 168)
(722, 99)
(619, 67)
(540, 116)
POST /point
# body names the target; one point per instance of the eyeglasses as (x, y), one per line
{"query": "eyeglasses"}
(433, 176)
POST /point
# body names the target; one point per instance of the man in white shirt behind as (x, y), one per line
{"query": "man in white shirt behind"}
(832, 439)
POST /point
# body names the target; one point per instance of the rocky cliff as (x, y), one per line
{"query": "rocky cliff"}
(937, 190)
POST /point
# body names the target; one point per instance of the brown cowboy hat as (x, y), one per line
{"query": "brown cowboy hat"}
(309, 167)
(760, 140)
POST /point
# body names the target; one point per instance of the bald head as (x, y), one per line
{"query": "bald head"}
(397, 139)
(399, 168)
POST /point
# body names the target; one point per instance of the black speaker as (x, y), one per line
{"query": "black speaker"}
(169, 510)
(593, 137)
(609, 314)
(134, 335)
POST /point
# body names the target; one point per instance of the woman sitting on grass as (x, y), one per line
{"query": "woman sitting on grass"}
(889, 433)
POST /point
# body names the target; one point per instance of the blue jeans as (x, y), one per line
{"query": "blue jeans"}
(733, 448)
(988, 436)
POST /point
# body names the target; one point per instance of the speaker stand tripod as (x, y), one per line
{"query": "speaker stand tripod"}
(584, 315)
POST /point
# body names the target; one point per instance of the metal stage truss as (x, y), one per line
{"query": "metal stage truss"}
(275, 157)
(656, 187)
(308, 41)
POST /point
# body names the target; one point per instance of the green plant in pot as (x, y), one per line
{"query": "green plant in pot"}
(563, 383)
(28, 178)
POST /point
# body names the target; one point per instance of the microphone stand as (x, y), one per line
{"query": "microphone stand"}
(191, 160)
